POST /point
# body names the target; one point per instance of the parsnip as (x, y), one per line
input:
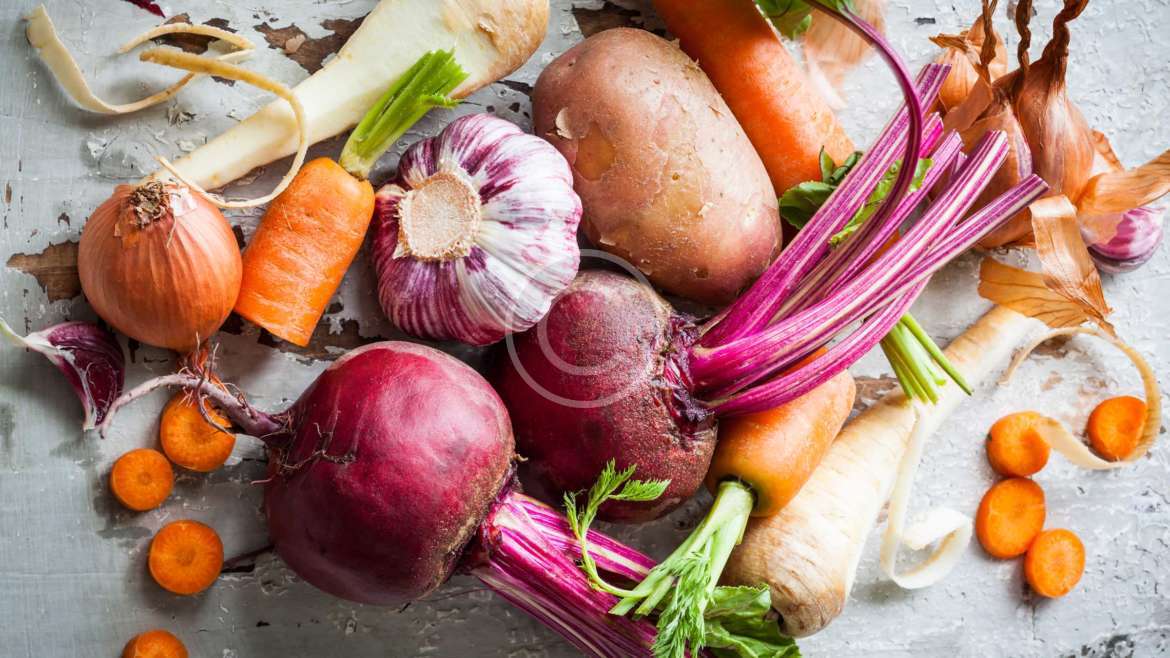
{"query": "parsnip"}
(491, 38)
(808, 553)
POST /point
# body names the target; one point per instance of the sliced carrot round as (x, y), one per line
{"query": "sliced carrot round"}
(1116, 425)
(154, 644)
(189, 440)
(185, 557)
(1015, 448)
(1055, 563)
(142, 479)
(1010, 516)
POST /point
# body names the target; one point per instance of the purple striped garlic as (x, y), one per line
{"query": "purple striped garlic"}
(477, 234)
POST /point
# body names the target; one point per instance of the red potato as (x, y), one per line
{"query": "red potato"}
(667, 177)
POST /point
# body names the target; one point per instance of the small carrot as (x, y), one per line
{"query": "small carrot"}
(142, 479)
(1015, 448)
(185, 557)
(154, 644)
(311, 232)
(1115, 426)
(189, 440)
(305, 243)
(785, 118)
(1055, 563)
(1010, 516)
(774, 452)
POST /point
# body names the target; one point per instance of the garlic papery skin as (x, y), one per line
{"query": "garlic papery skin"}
(1122, 242)
(477, 234)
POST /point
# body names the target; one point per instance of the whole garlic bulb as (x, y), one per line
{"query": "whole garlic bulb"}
(477, 234)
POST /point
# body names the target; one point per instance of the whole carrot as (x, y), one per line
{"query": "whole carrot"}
(786, 119)
(304, 245)
(311, 232)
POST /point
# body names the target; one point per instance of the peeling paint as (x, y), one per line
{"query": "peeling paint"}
(309, 53)
(54, 268)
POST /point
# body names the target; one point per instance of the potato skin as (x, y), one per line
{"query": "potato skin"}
(667, 177)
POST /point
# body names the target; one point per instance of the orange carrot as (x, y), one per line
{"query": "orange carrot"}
(1010, 516)
(142, 479)
(1014, 447)
(1054, 563)
(774, 452)
(305, 243)
(185, 557)
(189, 440)
(785, 118)
(154, 644)
(1115, 426)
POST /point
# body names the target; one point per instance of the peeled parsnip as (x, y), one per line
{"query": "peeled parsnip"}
(809, 552)
(490, 38)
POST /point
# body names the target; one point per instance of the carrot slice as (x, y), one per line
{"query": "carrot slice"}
(785, 118)
(1015, 448)
(1055, 562)
(305, 243)
(189, 440)
(142, 479)
(185, 557)
(1010, 516)
(154, 644)
(1115, 426)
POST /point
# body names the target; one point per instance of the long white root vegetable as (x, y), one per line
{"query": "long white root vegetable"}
(808, 553)
(491, 38)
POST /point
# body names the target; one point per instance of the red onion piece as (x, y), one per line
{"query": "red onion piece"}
(88, 355)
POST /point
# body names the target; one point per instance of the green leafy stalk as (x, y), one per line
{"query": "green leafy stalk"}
(610, 485)
(913, 355)
(793, 17)
(692, 611)
(424, 85)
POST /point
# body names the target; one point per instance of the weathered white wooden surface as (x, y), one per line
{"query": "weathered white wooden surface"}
(73, 580)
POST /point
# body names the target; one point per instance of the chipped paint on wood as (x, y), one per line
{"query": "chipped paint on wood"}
(54, 268)
(309, 53)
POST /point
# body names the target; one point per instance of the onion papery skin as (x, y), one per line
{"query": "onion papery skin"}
(521, 254)
(1018, 166)
(1123, 242)
(170, 283)
(1060, 138)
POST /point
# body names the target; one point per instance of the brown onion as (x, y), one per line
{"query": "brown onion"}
(964, 53)
(1061, 140)
(160, 264)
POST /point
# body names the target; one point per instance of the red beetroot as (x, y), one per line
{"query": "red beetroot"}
(393, 470)
(352, 471)
(600, 379)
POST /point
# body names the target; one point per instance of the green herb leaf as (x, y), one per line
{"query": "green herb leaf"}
(739, 623)
(879, 194)
(793, 17)
(681, 623)
(610, 485)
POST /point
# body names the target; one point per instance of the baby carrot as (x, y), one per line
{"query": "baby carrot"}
(1115, 426)
(1010, 516)
(785, 118)
(305, 243)
(1014, 447)
(142, 479)
(154, 644)
(1054, 563)
(185, 557)
(189, 440)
